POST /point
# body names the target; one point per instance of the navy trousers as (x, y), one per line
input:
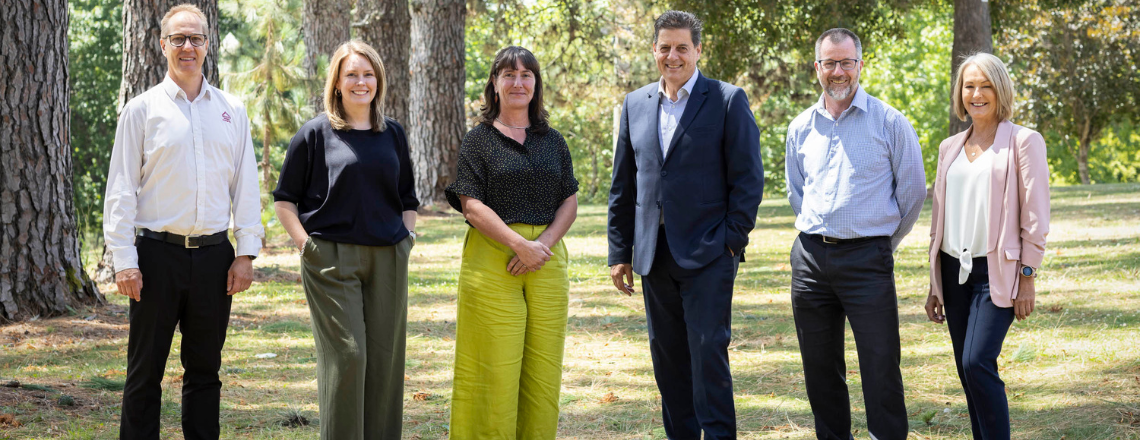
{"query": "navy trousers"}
(689, 317)
(183, 289)
(852, 280)
(977, 331)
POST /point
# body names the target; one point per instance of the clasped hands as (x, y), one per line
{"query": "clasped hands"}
(529, 256)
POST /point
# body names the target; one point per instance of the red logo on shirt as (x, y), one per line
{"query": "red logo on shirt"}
(225, 116)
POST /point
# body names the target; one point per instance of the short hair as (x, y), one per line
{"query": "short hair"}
(334, 103)
(508, 58)
(837, 35)
(995, 71)
(679, 20)
(185, 7)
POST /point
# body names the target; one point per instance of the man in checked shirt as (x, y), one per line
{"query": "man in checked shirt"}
(182, 165)
(856, 183)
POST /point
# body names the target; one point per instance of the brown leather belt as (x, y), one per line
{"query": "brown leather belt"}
(187, 241)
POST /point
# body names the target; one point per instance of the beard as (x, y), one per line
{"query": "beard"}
(840, 92)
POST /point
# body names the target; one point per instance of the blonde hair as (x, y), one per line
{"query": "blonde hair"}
(334, 104)
(185, 7)
(994, 70)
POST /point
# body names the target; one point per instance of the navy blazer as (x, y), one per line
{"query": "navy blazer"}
(709, 185)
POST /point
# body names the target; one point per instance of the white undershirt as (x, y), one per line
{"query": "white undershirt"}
(967, 211)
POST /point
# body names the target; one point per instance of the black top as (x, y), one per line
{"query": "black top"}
(350, 186)
(522, 183)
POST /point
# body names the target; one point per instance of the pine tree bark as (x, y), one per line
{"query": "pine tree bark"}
(972, 34)
(436, 104)
(41, 273)
(144, 66)
(386, 26)
(324, 27)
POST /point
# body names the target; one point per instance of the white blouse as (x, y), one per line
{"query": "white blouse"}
(967, 210)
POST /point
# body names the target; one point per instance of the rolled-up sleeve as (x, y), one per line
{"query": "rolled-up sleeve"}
(910, 176)
(121, 201)
(246, 206)
(1034, 197)
(470, 178)
(407, 184)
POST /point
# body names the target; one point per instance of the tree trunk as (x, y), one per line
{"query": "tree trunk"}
(1083, 151)
(386, 26)
(144, 66)
(436, 104)
(972, 34)
(325, 26)
(41, 273)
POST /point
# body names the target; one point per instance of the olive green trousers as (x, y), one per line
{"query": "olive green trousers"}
(509, 336)
(358, 298)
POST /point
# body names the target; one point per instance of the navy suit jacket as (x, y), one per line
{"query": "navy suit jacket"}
(709, 185)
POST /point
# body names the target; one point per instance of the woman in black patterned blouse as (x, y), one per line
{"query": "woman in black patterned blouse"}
(516, 188)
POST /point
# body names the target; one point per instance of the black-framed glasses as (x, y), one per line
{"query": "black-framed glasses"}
(845, 64)
(177, 40)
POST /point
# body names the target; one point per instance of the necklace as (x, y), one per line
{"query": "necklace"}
(511, 126)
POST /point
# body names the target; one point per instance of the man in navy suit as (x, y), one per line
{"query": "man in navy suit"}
(687, 182)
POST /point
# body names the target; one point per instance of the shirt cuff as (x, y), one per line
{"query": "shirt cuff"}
(248, 245)
(125, 258)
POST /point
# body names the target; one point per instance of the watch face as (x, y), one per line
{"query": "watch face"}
(1027, 271)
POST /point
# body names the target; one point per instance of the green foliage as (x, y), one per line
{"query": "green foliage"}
(263, 66)
(914, 78)
(1075, 63)
(95, 57)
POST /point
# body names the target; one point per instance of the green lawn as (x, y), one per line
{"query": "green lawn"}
(1072, 370)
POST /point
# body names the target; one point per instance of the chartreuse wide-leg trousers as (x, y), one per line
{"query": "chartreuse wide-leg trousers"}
(509, 336)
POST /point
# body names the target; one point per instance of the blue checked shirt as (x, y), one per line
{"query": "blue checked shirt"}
(860, 175)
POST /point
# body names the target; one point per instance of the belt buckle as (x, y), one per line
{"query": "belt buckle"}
(830, 240)
(188, 246)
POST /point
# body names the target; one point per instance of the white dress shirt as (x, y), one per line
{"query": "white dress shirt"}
(670, 111)
(182, 167)
(965, 228)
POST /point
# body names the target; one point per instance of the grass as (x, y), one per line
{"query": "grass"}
(1072, 370)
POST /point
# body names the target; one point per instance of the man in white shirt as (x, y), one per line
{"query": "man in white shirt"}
(182, 165)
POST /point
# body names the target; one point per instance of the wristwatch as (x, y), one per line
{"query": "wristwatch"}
(1028, 271)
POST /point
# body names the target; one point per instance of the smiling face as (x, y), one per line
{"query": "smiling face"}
(676, 56)
(514, 86)
(978, 95)
(184, 62)
(356, 83)
(839, 84)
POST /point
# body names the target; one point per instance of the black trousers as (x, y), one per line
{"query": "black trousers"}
(184, 288)
(689, 317)
(855, 281)
(977, 331)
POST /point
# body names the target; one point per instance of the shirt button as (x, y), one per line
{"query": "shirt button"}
(664, 173)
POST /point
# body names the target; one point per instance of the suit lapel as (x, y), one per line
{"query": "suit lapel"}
(1002, 152)
(696, 99)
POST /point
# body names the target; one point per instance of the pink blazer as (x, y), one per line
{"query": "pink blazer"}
(1019, 208)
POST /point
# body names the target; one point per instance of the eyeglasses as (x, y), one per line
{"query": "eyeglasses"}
(845, 64)
(178, 40)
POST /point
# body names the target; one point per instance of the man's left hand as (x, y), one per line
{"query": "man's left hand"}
(240, 275)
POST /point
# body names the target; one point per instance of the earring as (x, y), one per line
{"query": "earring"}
(337, 92)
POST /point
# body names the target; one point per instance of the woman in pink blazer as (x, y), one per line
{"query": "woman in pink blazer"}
(987, 235)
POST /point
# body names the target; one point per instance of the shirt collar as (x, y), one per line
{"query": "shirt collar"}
(686, 89)
(859, 101)
(173, 91)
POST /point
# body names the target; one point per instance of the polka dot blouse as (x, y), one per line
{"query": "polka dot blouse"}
(522, 183)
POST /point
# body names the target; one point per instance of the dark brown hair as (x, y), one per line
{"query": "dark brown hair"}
(508, 58)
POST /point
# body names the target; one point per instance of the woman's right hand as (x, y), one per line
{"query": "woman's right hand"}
(934, 309)
(533, 254)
